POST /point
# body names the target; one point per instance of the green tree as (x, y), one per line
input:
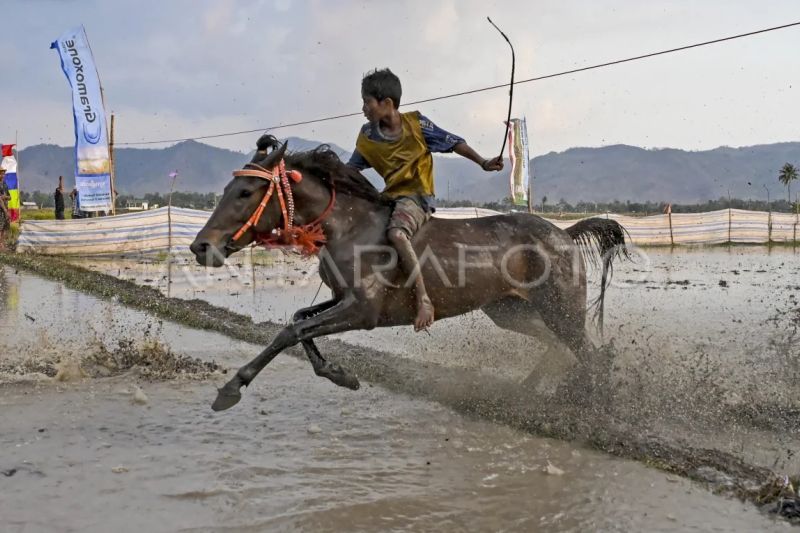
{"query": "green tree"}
(787, 175)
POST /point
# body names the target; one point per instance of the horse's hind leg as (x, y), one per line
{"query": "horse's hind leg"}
(323, 367)
(521, 316)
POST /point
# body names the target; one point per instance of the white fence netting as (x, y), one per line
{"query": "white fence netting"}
(149, 231)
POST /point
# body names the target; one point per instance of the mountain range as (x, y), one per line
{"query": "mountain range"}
(618, 172)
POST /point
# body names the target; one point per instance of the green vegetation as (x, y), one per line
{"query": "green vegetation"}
(787, 175)
(11, 236)
(42, 214)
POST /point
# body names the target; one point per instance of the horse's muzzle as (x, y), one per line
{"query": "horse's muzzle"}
(207, 254)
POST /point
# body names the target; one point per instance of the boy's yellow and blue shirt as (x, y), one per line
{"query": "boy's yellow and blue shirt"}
(405, 163)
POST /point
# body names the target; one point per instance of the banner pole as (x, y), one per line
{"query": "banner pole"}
(111, 160)
(19, 188)
(19, 172)
(530, 196)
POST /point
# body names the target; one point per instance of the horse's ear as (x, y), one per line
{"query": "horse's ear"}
(265, 142)
(269, 159)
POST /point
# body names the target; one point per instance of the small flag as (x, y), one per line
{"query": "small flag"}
(518, 153)
(173, 174)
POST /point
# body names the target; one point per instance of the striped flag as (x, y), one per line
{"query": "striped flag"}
(518, 152)
(9, 164)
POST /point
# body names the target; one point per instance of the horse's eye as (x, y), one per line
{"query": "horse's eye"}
(245, 193)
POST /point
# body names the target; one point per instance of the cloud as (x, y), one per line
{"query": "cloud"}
(175, 69)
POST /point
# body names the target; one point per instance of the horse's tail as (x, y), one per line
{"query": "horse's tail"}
(600, 240)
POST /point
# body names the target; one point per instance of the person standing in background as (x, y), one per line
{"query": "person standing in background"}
(76, 204)
(59, 199)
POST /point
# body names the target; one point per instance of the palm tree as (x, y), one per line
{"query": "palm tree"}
(787, 175)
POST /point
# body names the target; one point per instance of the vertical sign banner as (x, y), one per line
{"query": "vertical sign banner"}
(518, 152)
(9, 164)
(93, 166)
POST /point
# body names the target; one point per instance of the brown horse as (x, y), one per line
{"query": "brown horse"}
(520, 269)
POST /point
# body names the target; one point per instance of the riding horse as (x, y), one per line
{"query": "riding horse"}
(519, 269)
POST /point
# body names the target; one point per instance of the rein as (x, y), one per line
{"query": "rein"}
(305, 238)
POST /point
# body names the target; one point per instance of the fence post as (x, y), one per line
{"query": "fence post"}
(729, 226)
(729, 217)
(253, 268)
(769, 228)
(669, 216)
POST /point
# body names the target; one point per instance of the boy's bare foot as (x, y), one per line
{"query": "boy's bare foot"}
(424, 314)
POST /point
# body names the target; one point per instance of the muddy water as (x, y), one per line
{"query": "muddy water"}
(705, 340)
(719, 321)
(85, 456)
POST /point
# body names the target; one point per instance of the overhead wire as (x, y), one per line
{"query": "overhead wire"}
(472, 91)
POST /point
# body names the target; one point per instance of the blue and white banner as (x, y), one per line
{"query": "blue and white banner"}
(92, 163)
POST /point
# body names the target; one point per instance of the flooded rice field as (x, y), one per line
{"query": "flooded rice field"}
(106, 407)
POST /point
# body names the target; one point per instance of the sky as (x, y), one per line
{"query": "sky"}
(180, 68)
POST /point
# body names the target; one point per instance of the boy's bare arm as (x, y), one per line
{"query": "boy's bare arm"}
(465, 150)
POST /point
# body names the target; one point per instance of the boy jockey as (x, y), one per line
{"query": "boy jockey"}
(399, 146)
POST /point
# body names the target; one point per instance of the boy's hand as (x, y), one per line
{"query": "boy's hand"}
(494, 164)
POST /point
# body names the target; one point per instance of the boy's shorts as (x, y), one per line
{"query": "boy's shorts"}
(408, 215)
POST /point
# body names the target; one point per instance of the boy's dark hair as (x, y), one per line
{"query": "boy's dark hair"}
(381, 84)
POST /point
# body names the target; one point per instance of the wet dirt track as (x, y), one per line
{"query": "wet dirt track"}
(451, 385)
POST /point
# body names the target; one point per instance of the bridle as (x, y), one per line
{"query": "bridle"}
(306, 238)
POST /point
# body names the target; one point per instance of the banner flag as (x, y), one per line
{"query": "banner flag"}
(9, 164)
(518, 152)
(93, 165)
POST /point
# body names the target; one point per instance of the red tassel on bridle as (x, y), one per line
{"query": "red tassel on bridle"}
(305, 239)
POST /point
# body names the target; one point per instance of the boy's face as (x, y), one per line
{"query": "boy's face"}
(376, 110)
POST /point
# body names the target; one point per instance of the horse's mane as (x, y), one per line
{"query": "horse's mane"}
(325, 164)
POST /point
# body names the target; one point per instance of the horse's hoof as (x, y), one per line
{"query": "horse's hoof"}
(341, 377)
(225, 400)
(228, 396)
(349, 381)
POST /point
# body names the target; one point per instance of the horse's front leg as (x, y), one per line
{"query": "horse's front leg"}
(345, 315)
(323, 367)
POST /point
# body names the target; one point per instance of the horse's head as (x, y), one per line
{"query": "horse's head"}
(240, 200)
